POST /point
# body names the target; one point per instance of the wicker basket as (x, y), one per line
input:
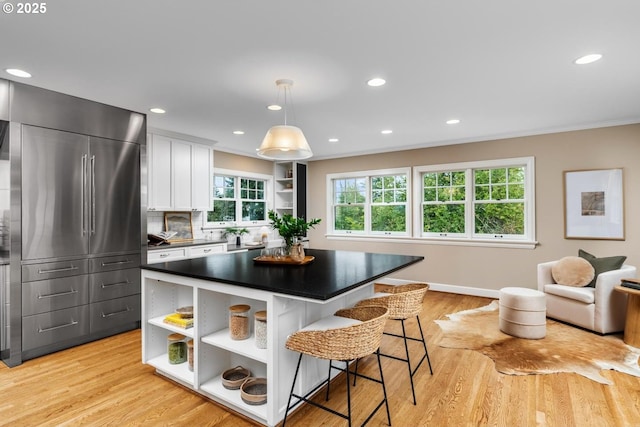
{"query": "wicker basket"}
(348, 343)
(233, 378)
(403, 301)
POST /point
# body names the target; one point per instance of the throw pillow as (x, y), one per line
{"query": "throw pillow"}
(600, 265)
(572, 271)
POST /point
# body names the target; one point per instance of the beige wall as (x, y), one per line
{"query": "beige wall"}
(493, 268)
(235, 162)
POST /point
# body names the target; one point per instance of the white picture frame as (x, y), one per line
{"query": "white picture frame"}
(594, 204)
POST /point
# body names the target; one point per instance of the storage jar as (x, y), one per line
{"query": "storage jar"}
(190, 354)
(260, 329)
(239, 321)
(176, 348)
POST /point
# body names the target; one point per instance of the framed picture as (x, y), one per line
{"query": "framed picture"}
(180, 223)
(593, 204)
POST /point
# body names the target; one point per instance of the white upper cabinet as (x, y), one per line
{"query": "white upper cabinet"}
(202, 177)
(179, 175)
(159, 167)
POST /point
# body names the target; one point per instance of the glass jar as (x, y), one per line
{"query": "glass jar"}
(190, 354)
(176, 349)
(260, 329)
(297, 252)
(239, 321)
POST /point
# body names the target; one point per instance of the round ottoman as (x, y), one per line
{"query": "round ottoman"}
(523, 313)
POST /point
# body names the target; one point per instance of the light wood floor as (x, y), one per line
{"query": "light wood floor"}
(104, 383)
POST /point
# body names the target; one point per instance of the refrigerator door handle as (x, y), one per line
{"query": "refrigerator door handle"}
(59, 294)
(83, 193)
(53, 328)
(115, 313)
(93, 195)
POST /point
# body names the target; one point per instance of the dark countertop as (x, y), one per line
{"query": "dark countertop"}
(232, 247)
(331, 273)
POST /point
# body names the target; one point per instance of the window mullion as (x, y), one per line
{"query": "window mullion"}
(470, 197)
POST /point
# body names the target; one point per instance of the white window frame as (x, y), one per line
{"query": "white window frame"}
(368, 203)
(468, 167)
(237, 175)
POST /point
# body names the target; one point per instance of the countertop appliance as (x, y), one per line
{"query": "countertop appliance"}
(76, 221)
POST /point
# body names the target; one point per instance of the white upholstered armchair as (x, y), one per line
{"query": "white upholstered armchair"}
(600, 309)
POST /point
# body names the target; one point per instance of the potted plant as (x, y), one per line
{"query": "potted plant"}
(290, 227)
(235, 231)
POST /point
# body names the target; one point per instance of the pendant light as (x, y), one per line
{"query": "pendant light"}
(285, 142)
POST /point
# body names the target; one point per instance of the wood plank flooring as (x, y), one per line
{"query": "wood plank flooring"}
(104, 384)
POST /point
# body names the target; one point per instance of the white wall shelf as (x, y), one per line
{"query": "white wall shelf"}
(290, 180)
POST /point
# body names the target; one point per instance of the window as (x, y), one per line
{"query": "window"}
(239, 197)
(477, 200)
(370, 203)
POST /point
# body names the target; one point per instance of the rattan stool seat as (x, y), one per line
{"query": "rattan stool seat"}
(356, 332)
(403, 302)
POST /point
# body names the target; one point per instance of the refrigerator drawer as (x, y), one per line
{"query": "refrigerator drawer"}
(114, 284)
(50, 328)
(52, 270)
(54, 294)
(117, 262)
(113, 313)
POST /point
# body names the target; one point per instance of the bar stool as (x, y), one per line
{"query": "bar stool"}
(348, 335)
(403, 302)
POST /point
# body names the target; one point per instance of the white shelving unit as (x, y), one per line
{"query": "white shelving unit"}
(215, 351)
(290, 188)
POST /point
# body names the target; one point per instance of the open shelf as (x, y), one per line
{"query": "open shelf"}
(245, 348)
(180, 372)
(159, 321)
(215, 388)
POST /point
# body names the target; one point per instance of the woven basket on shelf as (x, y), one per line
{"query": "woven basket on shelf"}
(348, 343)
(403, 301)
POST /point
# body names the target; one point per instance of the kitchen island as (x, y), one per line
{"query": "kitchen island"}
(292, 295)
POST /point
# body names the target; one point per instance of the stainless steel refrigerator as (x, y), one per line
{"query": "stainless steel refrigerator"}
(77, 221)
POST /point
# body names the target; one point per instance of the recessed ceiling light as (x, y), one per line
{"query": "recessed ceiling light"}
(386, 132)
(375, 82)
(238, 132)
(157, 110)
(18, 73)
(274, 107)
(453, 121)
(333, 140)
(588, 59)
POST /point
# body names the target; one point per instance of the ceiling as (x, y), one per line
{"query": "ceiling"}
(503, 67)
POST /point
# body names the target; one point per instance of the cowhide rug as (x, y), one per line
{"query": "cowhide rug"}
(564, 349)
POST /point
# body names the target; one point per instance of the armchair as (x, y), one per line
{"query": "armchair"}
(600, 309)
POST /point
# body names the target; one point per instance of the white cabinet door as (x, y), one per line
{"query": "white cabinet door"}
(181, 167)
(180, 175)
(202, 180)
(159, 167)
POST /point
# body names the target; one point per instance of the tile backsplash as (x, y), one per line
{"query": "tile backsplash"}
(155, 224)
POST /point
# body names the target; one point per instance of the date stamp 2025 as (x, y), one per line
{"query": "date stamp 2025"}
(24, 8)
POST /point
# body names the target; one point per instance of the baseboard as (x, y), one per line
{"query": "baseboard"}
(452, 289)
